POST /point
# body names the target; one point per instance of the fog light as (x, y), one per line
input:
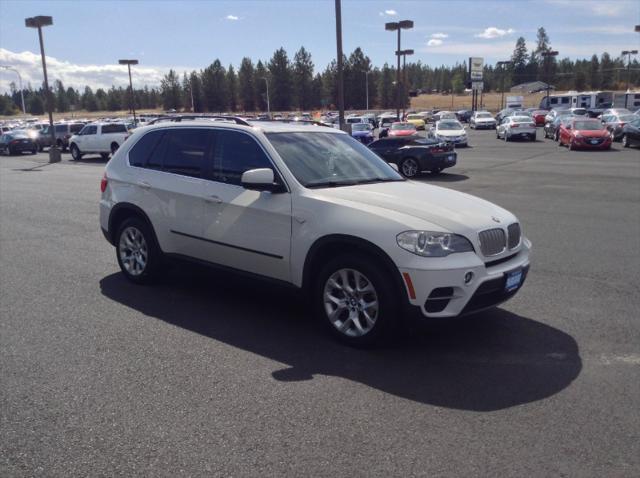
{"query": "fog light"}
(468, 277)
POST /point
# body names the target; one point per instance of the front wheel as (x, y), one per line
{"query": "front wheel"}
(75, 153)
(556, 136)
(138, 255)
(356, 300)
(625, 141)
(114, 148)
(409, 168)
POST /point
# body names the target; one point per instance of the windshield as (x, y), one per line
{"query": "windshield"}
(360, 127)
(449, 125)
(588, 125)
(484, 115)
(330, 159)
(579, 111)
(627, 118)
(403, 126)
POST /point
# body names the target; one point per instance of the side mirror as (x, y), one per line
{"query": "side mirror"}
(260, 180)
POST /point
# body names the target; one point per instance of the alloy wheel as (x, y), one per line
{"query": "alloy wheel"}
(409, 167)
(351, 302)
(133, 251)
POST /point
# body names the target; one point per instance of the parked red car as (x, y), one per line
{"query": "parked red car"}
(584, 133)
(402, 129)
(538, 116)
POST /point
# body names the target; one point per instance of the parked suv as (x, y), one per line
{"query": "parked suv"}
(102, 138)
(311, 207)
(62, 133)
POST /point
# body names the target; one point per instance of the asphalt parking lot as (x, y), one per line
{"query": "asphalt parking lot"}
(210, 374)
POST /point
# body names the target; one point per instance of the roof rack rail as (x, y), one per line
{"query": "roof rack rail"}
(286, 120)
(179, 118)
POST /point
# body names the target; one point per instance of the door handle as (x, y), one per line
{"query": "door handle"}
(213, 199)
(144, 184)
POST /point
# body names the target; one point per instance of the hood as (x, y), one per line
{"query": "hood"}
(447, 209)
(588, 133)
(453, 132)
(357, 134)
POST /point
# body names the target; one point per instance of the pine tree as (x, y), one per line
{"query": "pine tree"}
(261, 78)
(303, 78)
(519, 62)
(246, 86)
(606, 72)
(171, 91)
(594, 73)
(214, 86)
(281, 85)
(232, 89)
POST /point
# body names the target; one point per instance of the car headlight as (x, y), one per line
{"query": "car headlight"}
(433, 244)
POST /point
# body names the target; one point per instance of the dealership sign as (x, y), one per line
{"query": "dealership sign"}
(476, 66)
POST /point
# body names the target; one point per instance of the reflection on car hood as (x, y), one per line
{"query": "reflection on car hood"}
(452, 132)
(450, 210)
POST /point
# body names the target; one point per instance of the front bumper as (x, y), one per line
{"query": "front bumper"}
(587, 143)
(485, 125)
(444, 292)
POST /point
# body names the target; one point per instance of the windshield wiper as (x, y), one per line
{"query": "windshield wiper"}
(378, 180)
(329, 184)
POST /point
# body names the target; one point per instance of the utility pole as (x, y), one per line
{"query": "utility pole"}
(366, 85)
(340, 66)
(502, 65)
(404, 54)
(549, 54)
(132, 102)
(266, 80)
(628, 53)
(391, 27)
(39, 22)
(24, 111)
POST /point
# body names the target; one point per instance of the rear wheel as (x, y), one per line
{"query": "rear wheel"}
(571, 145)
(138, 255)
(556, 136)
(625, 141)
(409, 167)
(355, 300)
(75, 152)
(114, 148)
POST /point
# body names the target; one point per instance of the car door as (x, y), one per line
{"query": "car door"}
(564, 132)
(168, 184)
(245, 229)
(88, 139)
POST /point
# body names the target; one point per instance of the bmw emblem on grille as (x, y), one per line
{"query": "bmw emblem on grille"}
(495, 219)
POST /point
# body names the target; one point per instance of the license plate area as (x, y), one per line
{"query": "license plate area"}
(513, 280)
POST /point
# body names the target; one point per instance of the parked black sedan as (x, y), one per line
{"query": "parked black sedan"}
(414, 154)
(17, 141)
(552, 128)
(631, 133)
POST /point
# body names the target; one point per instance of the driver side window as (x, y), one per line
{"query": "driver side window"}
(235, 153)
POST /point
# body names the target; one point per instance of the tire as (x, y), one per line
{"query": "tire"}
(497, 134)
(75, 153)
(104, 156)
(40, 147)
(533, 137)
(33, 151)
(625, 141)
(138, 254)
(114, 148)
(506, 137)
(10, 152)
(436, 171)
(61, 145)
(571, 146)
(342, 308)
(409, 167)
(556, 136)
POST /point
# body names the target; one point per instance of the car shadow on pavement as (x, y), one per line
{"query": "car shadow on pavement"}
(490, 361)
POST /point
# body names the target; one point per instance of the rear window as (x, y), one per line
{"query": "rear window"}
(521, 119)
(60, 128)
(76, 127)
(114, 128)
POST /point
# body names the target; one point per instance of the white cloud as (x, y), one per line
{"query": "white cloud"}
(434, 42)
(439, 35)
(493, 32)
(78, 76)
(232, 17)
(391, 13)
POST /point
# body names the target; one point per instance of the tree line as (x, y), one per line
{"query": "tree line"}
(294, 83)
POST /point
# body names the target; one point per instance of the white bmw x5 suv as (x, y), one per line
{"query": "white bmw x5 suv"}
(311, 207)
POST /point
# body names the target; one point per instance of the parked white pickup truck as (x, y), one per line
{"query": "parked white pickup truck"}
(102, 138)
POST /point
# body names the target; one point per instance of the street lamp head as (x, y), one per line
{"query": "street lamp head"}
(39, 21)
(406, 24)
(128, 62)
(391, 26)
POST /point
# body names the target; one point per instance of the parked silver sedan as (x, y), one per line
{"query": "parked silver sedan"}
(523, 127)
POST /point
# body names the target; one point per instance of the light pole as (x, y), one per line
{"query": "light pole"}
(392, 27)
(404, 54)
(340, 66)
(24, 111)
(502, 65)
(266, 80)
(628, 53)
(39, 22)
(366, 85)
(549, 54)
(133, 106)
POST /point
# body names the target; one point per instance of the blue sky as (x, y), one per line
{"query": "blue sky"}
(88, 37)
